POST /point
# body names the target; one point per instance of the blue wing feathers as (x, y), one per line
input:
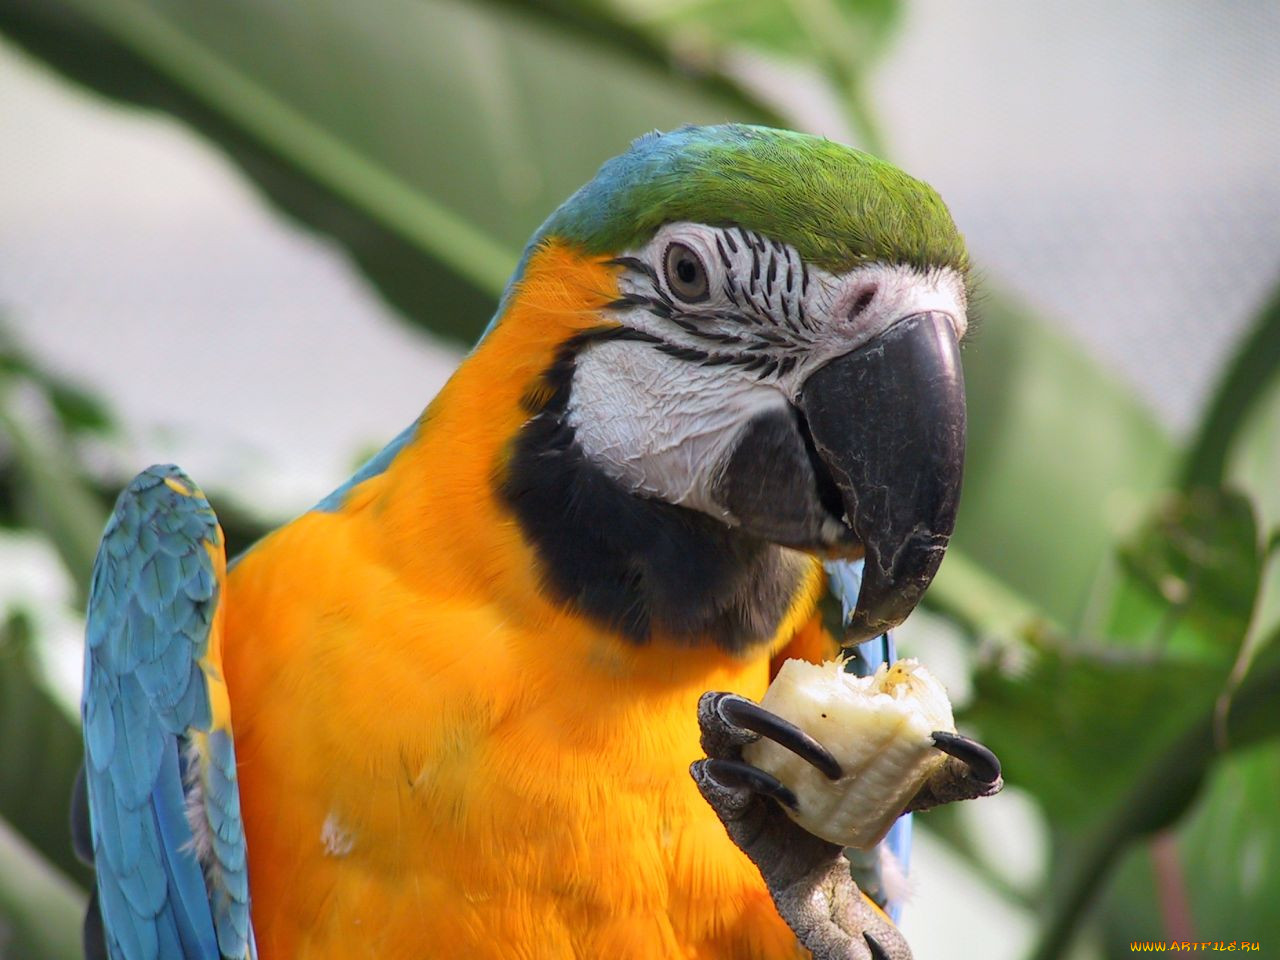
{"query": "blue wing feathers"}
(126, 937)
(151, 611)
(99, 723)
(223, 810)
(191, 909)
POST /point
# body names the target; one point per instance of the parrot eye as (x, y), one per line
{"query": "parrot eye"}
(686, 275)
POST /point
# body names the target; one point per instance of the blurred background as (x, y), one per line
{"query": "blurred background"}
(255, 237)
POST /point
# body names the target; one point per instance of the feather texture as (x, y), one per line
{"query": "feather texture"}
(838, 207)
(163, 802)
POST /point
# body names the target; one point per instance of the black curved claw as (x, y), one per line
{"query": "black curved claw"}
(877, 951)
(733, 773)
(751, 716)
(984, 764)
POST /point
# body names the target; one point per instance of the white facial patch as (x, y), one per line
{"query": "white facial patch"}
(658, 425)
(660, 417)
(766, 302)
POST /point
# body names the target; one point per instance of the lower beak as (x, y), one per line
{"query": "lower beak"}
(888, 423)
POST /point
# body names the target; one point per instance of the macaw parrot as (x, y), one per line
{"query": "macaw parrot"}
(488, 698)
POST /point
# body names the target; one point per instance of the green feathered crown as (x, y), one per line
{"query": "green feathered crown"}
(838, 207)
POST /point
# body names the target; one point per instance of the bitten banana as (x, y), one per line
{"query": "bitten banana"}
(878, 727)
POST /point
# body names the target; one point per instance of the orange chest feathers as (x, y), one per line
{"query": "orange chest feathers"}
(437, 761)
(422, 778)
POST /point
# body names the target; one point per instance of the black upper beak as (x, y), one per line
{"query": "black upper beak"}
(888, 423)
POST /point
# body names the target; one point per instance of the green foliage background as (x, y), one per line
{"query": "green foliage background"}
(1129, 683)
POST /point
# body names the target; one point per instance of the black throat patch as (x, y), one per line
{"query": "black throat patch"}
(633, 564)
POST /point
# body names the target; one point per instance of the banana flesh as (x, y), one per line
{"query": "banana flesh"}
(878, 727)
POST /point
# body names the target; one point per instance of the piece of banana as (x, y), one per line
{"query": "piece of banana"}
(878, 727)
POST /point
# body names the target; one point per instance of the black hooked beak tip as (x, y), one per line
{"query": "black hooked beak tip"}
(888, 423)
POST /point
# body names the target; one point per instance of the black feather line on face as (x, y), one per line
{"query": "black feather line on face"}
(768, 330)
(795, 298)
(539, 395)
(636, 264)
(720, 359)
(804, 318)
(724, 255)
(633, 564)
(761, 310)
(770, 337)
(725, 339)
(688, 354)
(749, 312)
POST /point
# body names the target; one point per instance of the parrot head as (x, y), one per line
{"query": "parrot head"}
(765, 365)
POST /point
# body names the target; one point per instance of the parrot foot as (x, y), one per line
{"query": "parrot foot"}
(807, 876)
(971, 771)
(747, 715)
(735, 773)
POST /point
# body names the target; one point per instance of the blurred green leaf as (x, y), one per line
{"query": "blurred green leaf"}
(1230, 849)
(40, 910)
(243, 527)
(1254, 465)
(1073, 727)
(979, 602)
(51, 495)
(1060, 462)
(429, 138)
(1237, 443)
(41, 483)
(707, 38)
(1197, 565)
(799, 29)
(621, 27)
(1129, 906)
(1114, 738)
(1161, 789)
(40, 752)
(1227, 868)
(1252, 372)
(77, 410)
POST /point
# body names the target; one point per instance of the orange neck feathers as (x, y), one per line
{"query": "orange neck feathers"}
(439, 508)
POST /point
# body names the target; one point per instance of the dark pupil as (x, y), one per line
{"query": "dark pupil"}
(686, 270)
